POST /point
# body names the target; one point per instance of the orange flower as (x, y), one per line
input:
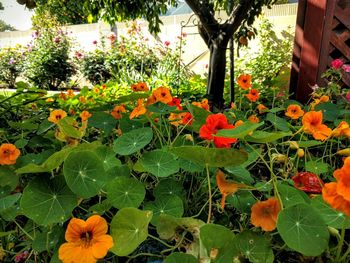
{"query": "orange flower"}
(62, 96)
(239, 123)
(343, 178)
(87, 241)
(262, 108)
(226, 188)
(8, 154)
(253, 95)
(70, 93)
(142, 86)
(184, 118)
(56, 115)
(49, 100)
(85, 115)
(312, 124)
(253, 119)
(82, 99)
(264, 214)
(204, 104)
(151, 99)
(331, 196)
(323, 99)
(343, 129)
(162, 95)
(244, 81)
(134, 87)
(117, 111)
(294, 111)
(139, 110)
(97, 90)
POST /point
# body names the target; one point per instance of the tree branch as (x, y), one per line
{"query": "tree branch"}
(238, 15)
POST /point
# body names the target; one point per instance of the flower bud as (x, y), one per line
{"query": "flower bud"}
(279, 158)
(293, 145)
(300, 153)
(344, 152)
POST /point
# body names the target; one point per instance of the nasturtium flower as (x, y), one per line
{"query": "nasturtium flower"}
(139, 110)
(343, 179)
(50, 100)
(183, 118)
(253, 119)
(312, 124)
(82, 99)
(308, 182)
(117, 111)
(56, 115)
(163, 95)
(62, 96)
(70, 93)
(262, 108)
(331, 196)
(244, 81)
(294, 111)
(85, 115)
(8, 154)
(253, 95)
(176, 102)
(213, 124)
(204, 104)
(187, 119)
(140, 86)
(87, 241)
(343, 129)
(265, 213)
(226, 188)
(238, 123)
(322, 99)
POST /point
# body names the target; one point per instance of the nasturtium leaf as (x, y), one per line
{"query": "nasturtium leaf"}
(253, 155)
(331, 217)
(216, 237)
(103, 121)
(48, 201)
(178, 257)
(53, 162)
(167, 225)
(133, 97)
(303, 229)
(38, 158)
(8, 201)
(199, 117)
(213, 157)
(84, 173)
(330, 110)
(242, 201)
(21, 143)
(100, 208)
(291, 196)
(266, 137)
(168, 187)
(8, 177)
(308, 144)
(108, 158)
(240, 174)
(190, 166)
(66, 127)
(129, 228)
(47, 239)
(160, 163)
(126, 125)
(170, 205)
(316, 167)
(133, 141)
(279, 123)
(161, 108)
(125, 192)
(241, 131)
(254, 247)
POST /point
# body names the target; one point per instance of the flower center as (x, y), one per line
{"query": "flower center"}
(266, 211)
(163, 94)
(86, 237)
(6, 152)
(58, 117)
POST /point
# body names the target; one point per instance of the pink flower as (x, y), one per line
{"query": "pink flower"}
(94, 42)
(347, 96)
(78, 55)
(167, 43)
(346, 68)
(337, 63)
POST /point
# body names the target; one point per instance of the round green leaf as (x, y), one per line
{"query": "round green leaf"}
(129, 228)
(84, 173)
(316, 167)
(265, 137)
(170, 205)
(214, 157)
(332, 218)
(168, 187)
(8, 177)
(241, 131)
(108, 158)
(160, 163)
(254, 247)
(291, 196)
(133, 141)
(103, 121)
(178, 257)
(216, 237)
(48, 201)
(190, 166)
(303, 229)
(125, 192)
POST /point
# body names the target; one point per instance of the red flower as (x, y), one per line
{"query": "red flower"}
(308, 182)
(337, 63)
(176, 102)
(213, 124)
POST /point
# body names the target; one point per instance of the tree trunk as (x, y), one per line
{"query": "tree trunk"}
(216, 77)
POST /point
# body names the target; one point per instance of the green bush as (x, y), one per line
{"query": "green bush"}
(48, 63)
(11, 65)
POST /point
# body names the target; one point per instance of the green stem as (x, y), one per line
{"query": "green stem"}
(210, 195)
(341, 242)
(177, 245)
(160, 241)
(25, 232)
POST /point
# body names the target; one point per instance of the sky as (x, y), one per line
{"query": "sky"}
(16, 15)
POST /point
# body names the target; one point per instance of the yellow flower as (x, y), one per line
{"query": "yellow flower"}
(56, 115)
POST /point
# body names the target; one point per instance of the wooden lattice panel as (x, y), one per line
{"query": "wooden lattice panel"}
(322, 35)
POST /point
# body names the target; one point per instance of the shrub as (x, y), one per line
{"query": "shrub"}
(11, 64)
